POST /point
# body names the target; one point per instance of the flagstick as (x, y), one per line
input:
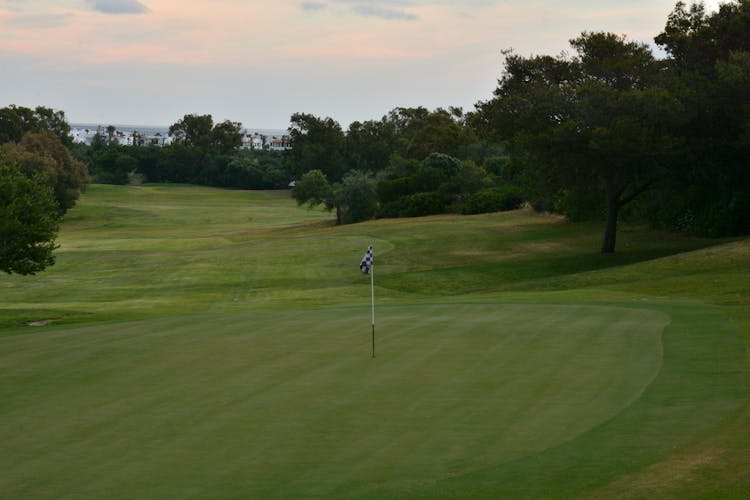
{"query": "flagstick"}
(372, 293)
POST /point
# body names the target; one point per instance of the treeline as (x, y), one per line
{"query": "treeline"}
(410, 163)
(180, 163)
(415, 161)
(203, 152)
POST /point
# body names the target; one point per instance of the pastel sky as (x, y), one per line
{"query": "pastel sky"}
(149, 62)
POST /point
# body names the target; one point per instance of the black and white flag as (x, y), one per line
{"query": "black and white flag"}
(366, 263)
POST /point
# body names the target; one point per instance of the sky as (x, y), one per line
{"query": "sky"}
(150, 62)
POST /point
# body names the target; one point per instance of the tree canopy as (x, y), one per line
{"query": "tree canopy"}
(29, 220)
(39, 181)
(317, 144)
(354, 198)
(16, 121)
(709, 69)
(599, 121)
(43, 156)
(200, 132)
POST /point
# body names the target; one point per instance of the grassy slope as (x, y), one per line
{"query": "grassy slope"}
(161, 253)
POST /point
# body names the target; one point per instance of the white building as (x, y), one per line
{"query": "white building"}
(281, 143)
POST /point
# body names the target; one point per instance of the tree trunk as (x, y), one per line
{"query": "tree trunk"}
(610, 231)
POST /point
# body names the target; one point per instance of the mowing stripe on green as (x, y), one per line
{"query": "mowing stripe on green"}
(290, 404)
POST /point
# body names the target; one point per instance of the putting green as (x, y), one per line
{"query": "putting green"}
(291, 404)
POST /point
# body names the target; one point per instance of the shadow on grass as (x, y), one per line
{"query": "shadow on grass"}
(550, 271)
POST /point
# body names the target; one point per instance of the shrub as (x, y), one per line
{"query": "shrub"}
(419, 204)
(391, 209)
(492, 200)
(542, 205)
(356, 197)
(390, 190)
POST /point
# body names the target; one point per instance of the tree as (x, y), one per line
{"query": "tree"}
(201, 152)
(16, 121)
(709, 70)
(111, 129)
(29, 219)
(44, 157)
(421, 132)
(317, 143)
(313, 188)
(356, 198)
(112, 166)
(226, 136)
(440, 183)
(436, 170)
(193, 130)
(369, 145)
(600, 121)
(696, 39)
(199, 131)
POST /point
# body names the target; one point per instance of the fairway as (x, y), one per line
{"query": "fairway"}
(208, 343)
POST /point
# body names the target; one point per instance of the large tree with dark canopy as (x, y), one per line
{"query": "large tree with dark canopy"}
(709, 68)
(16, 121)
(369, 145)
(39, 182)
(29, 218)
(42, 156)
(199, 131)
(599, 121)
(420, 132)
(317, 144)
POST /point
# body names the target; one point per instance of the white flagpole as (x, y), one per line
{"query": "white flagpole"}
(372, 293)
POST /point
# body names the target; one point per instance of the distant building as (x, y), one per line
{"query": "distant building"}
(80, 136)
(156, 140)
(133, 138)
(154, 136)
(254, 141)
(281, 143)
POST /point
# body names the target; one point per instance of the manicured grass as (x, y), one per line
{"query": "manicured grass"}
(295, 405)
(217, 343)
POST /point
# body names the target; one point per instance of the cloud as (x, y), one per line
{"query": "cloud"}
(42, 21)
(383, 9)
(312, 6)
(118, 6)
(384, 13)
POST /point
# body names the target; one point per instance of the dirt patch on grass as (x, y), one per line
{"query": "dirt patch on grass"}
(43, 322)
(719, 467)
(663, 479)
(542, 247)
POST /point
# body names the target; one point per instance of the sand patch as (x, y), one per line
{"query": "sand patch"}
(43, 322)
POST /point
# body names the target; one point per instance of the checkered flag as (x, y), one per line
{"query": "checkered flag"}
(366, 263)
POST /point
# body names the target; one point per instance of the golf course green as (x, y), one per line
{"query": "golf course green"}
(197, 342)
